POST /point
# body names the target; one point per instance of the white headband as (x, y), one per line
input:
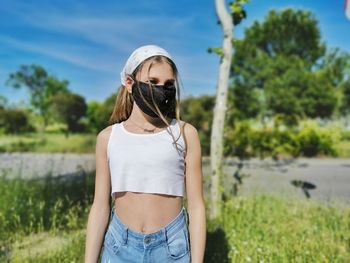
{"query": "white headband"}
(140, 55)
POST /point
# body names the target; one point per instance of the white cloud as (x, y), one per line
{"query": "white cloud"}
(115, 30)
(67, 53)
(102, 39)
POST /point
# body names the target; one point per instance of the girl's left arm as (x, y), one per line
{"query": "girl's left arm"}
(194, 193)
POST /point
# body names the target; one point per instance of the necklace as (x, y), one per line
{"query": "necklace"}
(144, 129)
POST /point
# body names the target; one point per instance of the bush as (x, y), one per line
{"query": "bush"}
(245, 142)
(14, 121)
(317, 141)
(308, 140)
(238, 141)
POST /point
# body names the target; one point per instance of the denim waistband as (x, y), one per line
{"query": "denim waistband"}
(144, 240)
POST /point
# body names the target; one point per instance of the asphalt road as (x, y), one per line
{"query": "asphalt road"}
(331, 177)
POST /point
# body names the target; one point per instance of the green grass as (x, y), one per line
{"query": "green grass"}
(36, 206)
(85, 143)
(343, 149)
(53, 142)
(45, 221)
(47, 247)
(271, 229)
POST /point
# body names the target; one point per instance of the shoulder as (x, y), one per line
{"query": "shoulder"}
(190, 134)
(102, 137)
(192, 142)
(189, 130)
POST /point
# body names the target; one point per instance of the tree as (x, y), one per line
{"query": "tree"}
(227, 21)
(68, 108)
(3, 102)
(243, 103)
(284, 58)
(105, 111)
(345, 106)
(199, 112)
(92, 115)
(289, 32)
(41, 86)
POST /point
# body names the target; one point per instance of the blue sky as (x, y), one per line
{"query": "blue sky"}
(88, 42)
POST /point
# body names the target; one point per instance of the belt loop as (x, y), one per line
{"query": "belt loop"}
(126, 235)
(165, 231)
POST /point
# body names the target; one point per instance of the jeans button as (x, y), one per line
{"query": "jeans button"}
(147, 240)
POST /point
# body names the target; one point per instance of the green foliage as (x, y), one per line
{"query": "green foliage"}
(92, 116)
(289, 32)
(3, 102)
(243, 103)
(244, 141)
(238, 14)
(296, 91)
(50, 204)
(68, 108)
(307, 140)
(199, 112)
(284, 58)
(335, 66)
(14, 121)
(41, 219)
(45, 221)
(52, 143)
(216, 50)
(238, 140)
(315, 141)
(271, 229)
(237, 11)
(40, 84)
(105, 111)
(67, 246)
(345, 105)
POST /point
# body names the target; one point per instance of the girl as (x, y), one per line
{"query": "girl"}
(147, 160)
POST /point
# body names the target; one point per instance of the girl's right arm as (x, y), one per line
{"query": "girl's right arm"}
(100, 209)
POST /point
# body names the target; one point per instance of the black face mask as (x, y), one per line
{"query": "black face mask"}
(164, 96)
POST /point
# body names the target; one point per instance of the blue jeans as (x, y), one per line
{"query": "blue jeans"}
(169, 244)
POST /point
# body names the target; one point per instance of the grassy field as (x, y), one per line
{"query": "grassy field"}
(271, 229)
(84, 143)
(45, 220)
(344, 149)
(53, 142)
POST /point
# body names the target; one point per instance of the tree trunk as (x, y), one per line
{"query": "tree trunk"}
(216, 144)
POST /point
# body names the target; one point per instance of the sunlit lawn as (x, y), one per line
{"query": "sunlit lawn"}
(82, 143)
(45, 221)
(54, 142)
(344, 149)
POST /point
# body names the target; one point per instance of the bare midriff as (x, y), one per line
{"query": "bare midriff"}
(145, 212)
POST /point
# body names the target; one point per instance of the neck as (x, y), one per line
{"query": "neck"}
(144, 120)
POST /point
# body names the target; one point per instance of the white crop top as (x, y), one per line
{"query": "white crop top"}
(148, 163)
